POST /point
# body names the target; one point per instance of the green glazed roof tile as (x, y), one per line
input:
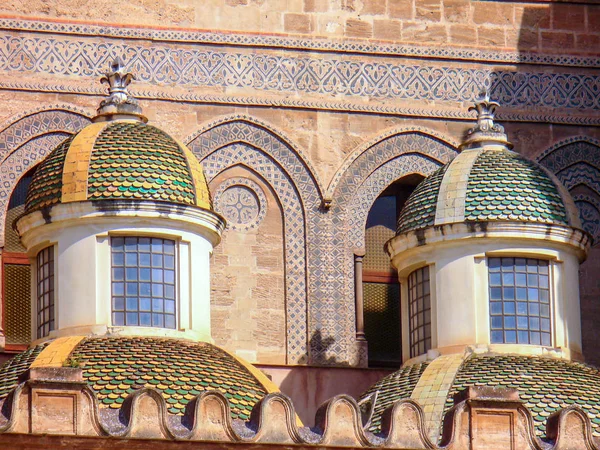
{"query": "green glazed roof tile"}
(397, 386)
(12, 369)
(545, 385)
(116, 367)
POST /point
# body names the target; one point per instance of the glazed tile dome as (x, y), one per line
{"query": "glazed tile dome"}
(122, 159)
(488, 182)
(545, 385)
(180, 370)
(482, 185)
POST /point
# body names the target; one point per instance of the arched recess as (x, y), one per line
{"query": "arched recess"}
(378, 165)
(241, 140)
(25, 140)
(576, 163)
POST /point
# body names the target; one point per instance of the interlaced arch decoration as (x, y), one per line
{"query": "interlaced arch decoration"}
(241, 140)
(576, 163)
(379, 164)
(27, 139)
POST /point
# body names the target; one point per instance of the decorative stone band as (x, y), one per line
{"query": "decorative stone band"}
(57, 402)
(574, 238)
(186, 217)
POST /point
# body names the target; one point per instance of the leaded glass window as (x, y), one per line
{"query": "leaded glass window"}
(520, 310)
(45, 292)
(143, 282)
(419, 309)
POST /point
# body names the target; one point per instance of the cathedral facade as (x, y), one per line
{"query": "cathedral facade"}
(315, 258)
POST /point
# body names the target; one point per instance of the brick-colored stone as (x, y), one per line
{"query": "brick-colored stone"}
(423, 32)
(533, 16)
(358, 28)
(428, 10)
(523, 39)
(387, 29)
(462, 34)
(568, 17)
(593, 18)
(401, 9)
(373, 7)
(457, 10)
(493, 13)
(494, 37)
(557, 40)
(297, 23)
(589, 43)
(316, 5)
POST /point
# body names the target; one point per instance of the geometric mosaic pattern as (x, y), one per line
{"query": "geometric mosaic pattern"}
(576, 163)
(287, 42)
(164, 64)
(179, 370)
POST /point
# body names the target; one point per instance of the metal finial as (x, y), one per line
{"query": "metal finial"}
(119, 101)
(486, 129)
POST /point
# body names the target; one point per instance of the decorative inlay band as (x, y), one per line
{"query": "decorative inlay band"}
(295, 79)
(242, 202)
(288, 42)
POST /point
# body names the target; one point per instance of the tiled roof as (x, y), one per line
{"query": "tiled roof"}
(12, 369)
(180, 370)
(545, 385)
(125, 160)
(46, 185)
(419, 210)
(503, 185)
(396, 386)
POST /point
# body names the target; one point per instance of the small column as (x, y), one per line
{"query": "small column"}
(359, 296)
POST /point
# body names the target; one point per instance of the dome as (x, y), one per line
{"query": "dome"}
(123, 159)
(487, 182)
(119, 157)
(545, 385)
(115, 367)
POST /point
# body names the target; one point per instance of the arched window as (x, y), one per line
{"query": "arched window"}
(381, 291)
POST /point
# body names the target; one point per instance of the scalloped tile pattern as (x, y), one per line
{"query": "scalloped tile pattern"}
(132, 160)
(12, 369)
(396, 386)
(545, 385)
(504, 185)
(420, 208)
(180, 370)
(46, 184)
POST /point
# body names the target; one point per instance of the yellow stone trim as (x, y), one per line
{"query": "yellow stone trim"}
(57, 352)
(77, 164)
(200, 184)
(432, 390)
(453, 189)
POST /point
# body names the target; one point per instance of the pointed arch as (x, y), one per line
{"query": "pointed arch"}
(240, 140)
(367, 175)
(575, 161)
(26, 139)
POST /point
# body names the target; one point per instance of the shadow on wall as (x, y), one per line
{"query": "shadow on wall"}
(309, 387)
